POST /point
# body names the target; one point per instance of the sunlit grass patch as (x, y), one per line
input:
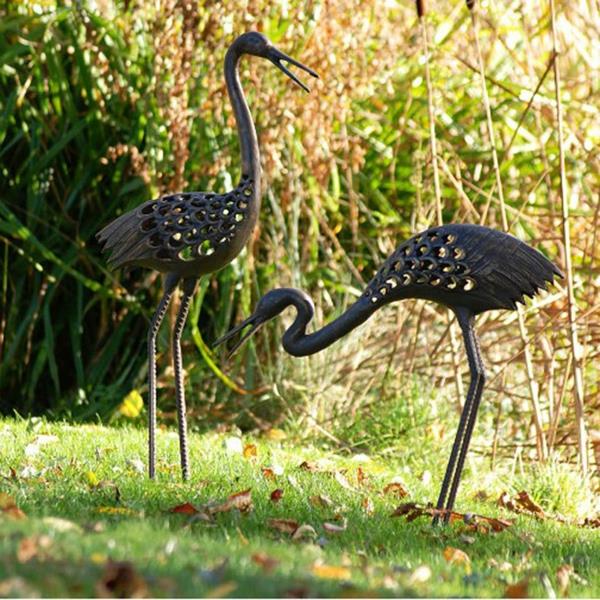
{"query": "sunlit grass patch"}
(305, 520)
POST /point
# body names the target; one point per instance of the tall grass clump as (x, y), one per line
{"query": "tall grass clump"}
(104, 107)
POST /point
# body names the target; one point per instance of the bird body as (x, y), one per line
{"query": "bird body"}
(469, 268)
(465, 265)
(190, 234)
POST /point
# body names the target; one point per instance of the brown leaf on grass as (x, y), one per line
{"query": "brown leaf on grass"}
(324, 571)
(456, 556)
(525, 500)
(563, 576)
(362, 478)
(367, 505)
(268, 473)
(341, 479)
(517, 590)
(241, 501)
(283, 525)
(276, 495)
(304, 532)
(478, 523)
(264, 561)
(594, 523)
(396, 488)
(121, 580)
(306, 465)
(9, 507)
(333, 528)
(521, 503)
(29, 547)
(250, 451)
(185, 509)
(321, 501)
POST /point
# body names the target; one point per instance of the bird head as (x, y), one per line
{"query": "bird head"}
(257, 44)
(268, 307)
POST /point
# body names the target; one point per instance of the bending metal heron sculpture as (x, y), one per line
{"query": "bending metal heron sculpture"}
(187, 235)
(468, 268)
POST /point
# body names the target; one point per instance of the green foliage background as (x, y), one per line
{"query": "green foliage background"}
(106, 104)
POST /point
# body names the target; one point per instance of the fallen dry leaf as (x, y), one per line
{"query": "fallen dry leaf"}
(264, 561)
(517, 590)
(333, 528)
(32, 547)
(525, 500)
(185, 509)
(9, 507)
(276, 495)
(367, 505)
(478, 523)
(396, 488)
(456, 556)
(241, 501)
(563, 576)
(362, 478)
(321, 501)
(283, 525)
(268, 473)
(306, 465)
(594, 523)
(331, 572)
(304, 532)
(341, 479)
(250, 451)
(121, 580)
(521, 503)
(502, 566)
(294, 483)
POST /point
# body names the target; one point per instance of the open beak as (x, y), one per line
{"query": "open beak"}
(255, 322)
(276, 56)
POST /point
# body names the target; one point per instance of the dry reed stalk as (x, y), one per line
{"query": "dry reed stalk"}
(571, 302)
(436, 184)
(533, 387)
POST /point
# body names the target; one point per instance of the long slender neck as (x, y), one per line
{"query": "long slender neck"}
(298, 343)
(243, 118)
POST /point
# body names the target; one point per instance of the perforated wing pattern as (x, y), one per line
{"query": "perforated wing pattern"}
(178, 228)
(433, 258)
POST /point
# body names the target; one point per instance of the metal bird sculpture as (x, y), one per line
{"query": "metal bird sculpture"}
(187, 235)
(468, 268)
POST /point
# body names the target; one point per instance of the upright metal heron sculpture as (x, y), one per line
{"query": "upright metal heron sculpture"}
(468, 268)
(187, 235)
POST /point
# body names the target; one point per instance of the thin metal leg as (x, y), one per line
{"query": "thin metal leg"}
(480, 376)
(189, 287)
(170, 284)
(455, 448)
(465, 319)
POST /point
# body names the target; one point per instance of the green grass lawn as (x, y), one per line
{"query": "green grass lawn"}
(86, 521)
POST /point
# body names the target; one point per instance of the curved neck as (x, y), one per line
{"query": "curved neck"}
(243, 118)
(298, 343)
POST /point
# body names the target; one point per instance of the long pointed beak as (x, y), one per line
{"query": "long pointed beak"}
(276, 56)
(255, 323)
